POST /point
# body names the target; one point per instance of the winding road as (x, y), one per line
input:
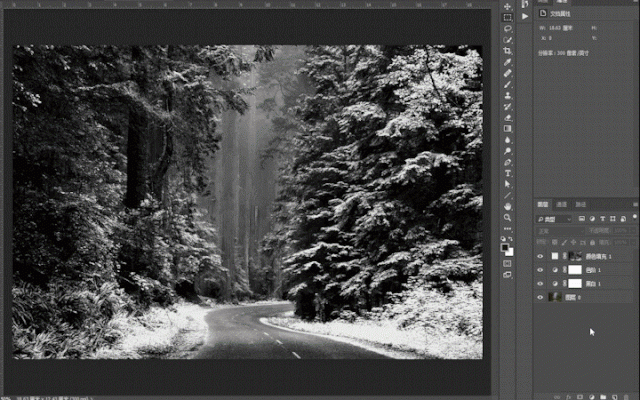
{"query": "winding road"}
(236, 333)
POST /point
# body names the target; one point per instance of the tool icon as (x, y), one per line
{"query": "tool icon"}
(507, 249)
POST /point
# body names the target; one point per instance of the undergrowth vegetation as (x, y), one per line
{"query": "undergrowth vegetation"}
(105, 323)
(457, 309)
(173, 332)
(419, 321)
(62, 322)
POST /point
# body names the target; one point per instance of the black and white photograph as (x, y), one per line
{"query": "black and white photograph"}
(247, 202)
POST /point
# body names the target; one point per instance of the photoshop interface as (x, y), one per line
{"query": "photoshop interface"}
(436, 199)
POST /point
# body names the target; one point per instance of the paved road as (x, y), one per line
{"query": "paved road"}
(238, 333)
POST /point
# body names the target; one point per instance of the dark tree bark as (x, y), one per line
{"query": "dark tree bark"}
(162, 166)
(136, 159)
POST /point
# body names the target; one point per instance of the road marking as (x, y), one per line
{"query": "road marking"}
(266, 333)
(279, 342)
(296, 354)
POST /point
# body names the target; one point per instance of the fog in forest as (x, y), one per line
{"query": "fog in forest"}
(245, 169)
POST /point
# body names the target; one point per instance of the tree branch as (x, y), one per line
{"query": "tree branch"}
(433, 82)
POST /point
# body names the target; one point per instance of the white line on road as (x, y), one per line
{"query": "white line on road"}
(266, 333)
(296, 354)
(279, 342)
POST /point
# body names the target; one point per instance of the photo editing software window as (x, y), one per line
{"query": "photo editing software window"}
(319, 199)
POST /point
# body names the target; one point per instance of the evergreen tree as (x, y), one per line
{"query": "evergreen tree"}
(385, 175)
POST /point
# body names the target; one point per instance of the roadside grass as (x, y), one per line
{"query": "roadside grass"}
(427, 343)
(174, 332)
(425, 322)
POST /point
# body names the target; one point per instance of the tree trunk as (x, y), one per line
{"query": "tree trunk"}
(136, 159)
(162, 166)
(227, 204)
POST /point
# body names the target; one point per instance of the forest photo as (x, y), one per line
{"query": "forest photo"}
(261, 202)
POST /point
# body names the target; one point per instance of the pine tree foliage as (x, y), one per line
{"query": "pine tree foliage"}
(383, 179)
